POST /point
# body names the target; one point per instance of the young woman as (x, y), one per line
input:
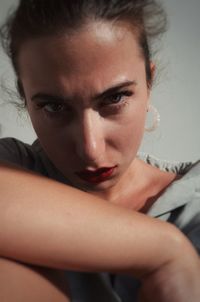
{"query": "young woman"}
(84, 72)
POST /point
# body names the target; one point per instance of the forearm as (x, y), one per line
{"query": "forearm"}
(22, 283)
(47, 223)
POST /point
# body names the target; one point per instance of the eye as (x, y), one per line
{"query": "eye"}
(57, 111)
(117, 98)
(115, 103)
(53, 107)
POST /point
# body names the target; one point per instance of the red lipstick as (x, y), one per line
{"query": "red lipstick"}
(96, 176)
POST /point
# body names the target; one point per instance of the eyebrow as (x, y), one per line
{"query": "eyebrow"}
(107, 92)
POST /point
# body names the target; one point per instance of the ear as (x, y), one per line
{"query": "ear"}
(153, 71)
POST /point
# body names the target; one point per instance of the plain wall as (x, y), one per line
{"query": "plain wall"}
(176, 95)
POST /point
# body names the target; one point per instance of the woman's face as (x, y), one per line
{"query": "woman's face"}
(87, 97)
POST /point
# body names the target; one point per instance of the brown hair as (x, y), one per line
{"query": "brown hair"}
(36, 18)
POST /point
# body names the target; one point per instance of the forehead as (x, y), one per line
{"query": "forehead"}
(97, 50)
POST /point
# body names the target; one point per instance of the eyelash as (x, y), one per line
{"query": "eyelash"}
(121, 103)
(52, 113)
(108, 102)
(52, 105)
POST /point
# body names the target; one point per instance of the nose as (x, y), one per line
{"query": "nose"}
(90, 142)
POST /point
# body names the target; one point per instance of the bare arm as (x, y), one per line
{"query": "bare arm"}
(22, 283)
(47, 223)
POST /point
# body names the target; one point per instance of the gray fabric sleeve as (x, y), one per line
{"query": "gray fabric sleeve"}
(192, 231)
(194, 236)
(31, 157)
(16, 152)
(188, 220)
(11, 151)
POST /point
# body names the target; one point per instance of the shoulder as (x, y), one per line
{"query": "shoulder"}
(188, 172)
(180, 203)
(177, 167)
(22, 154)
(31, 157)
(14, 151)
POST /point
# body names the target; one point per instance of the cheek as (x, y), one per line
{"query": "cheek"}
(55, 140)
(129, 140)
(127, 135)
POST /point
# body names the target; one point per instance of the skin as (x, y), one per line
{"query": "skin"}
(58, 226)
(21, 283)
(85, 131)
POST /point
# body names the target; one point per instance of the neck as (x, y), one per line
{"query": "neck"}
(139, 187)
(128, 190)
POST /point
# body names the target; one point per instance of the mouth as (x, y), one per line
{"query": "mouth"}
(96, 176)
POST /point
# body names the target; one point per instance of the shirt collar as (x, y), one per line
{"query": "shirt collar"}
(181, 191)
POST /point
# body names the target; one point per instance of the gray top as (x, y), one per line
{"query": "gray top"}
(179, 204)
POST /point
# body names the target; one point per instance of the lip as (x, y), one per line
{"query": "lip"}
(96, 176)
